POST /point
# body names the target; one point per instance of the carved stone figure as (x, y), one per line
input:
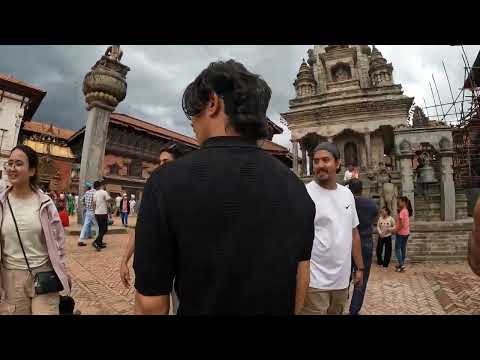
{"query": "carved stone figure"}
(341, 74)
(388, 192)
(114, 52)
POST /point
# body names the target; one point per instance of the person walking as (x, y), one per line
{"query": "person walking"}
(62, 209)
(168, 154)
(32, 251)
(117, 205)
(124, 210)
(89, 214)
(348, 175)
(75, 197)
(214, 221)
(367, 215)
(402, 231)
(385, 230)
(337, 238)
(132, 204)
(100, 203)
(70, 204)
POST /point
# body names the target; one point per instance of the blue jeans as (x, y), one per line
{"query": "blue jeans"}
(124, 218)
(359, 291)
(88, 221)
(401, 248)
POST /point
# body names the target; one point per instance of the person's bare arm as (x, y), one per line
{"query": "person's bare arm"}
(124, 271)
(379, 230)
(152, 305)
(400, 224)
(474, 244)
(357, 256)
(303, 281)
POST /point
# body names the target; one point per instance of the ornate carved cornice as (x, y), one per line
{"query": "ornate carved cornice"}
(328, 113)
(130, 152)
(105, 85)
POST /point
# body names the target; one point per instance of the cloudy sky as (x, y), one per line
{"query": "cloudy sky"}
(159, 74)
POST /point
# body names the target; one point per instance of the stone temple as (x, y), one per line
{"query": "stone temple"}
(347, 94)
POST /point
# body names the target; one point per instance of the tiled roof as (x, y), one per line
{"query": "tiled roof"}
(13, 85)
(270, 146)
(276, 128)
(48, 129)
(123, 119)
(127, 120)
(13, 80)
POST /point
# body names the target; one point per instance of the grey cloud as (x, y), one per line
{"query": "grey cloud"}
(160, 73)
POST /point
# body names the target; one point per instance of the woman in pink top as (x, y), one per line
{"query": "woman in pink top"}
(403, 231)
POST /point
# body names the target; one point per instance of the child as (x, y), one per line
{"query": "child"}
(403, 231)
(385, 228)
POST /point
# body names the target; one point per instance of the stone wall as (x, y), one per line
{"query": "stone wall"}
(435, 241)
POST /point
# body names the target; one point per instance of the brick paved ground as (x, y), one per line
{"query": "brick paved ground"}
(422, 289)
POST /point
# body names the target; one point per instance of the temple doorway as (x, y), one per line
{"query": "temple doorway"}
(351, 155)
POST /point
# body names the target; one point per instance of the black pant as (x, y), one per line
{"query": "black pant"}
(102, 221)
(387, 241)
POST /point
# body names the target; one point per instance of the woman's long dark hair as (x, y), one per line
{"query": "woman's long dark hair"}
(407, 202)
(32, 163)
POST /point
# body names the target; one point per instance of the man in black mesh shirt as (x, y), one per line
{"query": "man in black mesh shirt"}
(229, 222)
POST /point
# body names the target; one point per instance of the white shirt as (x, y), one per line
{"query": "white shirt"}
(348, 175)
(27, 215)
(335, 218)
(101, 197)
(132, 206)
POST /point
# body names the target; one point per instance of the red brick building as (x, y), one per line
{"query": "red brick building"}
(133, 147)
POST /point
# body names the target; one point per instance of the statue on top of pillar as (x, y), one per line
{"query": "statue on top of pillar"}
(114, 52)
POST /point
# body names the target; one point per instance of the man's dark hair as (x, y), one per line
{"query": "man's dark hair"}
(355, 186)
(245, 95)
(172, 148)
(407, 202)
(97, 184)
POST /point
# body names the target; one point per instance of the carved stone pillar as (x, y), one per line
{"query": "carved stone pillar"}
(304, 160)
(295, 156)
(310, 163)
(104, 87)
(447, 185)
(405, 158)
(368, 149)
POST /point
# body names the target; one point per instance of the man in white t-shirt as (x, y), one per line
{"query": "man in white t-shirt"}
(336, 237)
(117, 204)
(100, 203)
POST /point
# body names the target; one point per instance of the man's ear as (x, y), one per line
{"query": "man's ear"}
(339, 165)
(215, 105)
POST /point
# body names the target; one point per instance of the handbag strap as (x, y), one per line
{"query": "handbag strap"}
(18, 234)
